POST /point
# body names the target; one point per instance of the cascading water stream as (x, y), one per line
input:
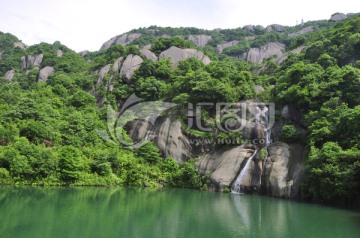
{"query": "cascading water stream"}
(263, 120)
(237, 185)
(267, 133)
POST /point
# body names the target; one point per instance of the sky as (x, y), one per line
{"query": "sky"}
(87, 24)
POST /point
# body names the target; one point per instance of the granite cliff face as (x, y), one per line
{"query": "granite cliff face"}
(279, 174)
(167, 135)
(257, 55)
(283, 172)
(223, 165)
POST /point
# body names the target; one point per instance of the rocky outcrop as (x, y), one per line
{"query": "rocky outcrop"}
(275, 27)
(44, 73)
(151, 31)
(249, 38)
(249, 28)
(259, 89)
(123, 39)
(117, 64)
(177, 54)
(223, 165)
(31, 61)
(102, 73)
(148, 54)
(252, 28)
(166, 134)
(38, 60)
(197, 54)
(83, 53)
(59, 53)
(131, 63)
(127, 38)
(9, 75)
(257, 55)
(338, 17)
(284, 170)
(109, 43)
(147, 47)
(20, 45)
(259, 28)
(303, 31)
(200, 40)
(297, 50)
(220, 48)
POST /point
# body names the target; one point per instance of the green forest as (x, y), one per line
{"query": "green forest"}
(48, 130)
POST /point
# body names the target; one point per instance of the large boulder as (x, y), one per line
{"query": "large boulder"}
(166, 133)
(284, 170)
(275, 27)
(148, 54)
(297, 50)
(117, 64)
(19, 45)
(259, 89)
(59, 53)
(123, 39)
(220, 48)
(177, 54)
(338, 17)
(249, 28)
(200, 40)
(303, 31)
(131, 63)
(9, 75)
(29, 61)
(223, 165)
(45, 72)
(257, 55)
(127, 38)
(102, 73)
(259, 28)
(83, 53)
(109, 43)
(38, 60)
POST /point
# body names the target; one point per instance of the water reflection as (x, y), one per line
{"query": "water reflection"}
(117, 212)
(271, 217)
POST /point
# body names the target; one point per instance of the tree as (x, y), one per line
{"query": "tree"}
(289, 133)
(165, 43)
(70, 163)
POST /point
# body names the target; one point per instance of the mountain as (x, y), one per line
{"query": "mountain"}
(271, 110)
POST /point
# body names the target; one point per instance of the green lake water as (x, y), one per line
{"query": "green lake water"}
(119, 212)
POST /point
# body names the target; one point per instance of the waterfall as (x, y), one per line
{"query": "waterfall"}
(263, 120)
(267, 133)
(237, 185)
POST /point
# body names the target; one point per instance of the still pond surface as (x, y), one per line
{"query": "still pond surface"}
(128, 213)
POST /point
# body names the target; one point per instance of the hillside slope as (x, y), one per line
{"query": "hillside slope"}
(54, 103)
